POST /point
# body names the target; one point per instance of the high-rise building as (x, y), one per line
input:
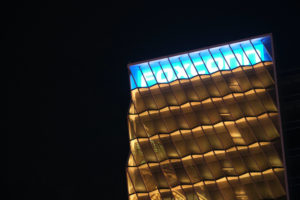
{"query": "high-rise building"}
(205, 124)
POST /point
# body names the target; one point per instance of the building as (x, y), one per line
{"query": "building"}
(205, 124)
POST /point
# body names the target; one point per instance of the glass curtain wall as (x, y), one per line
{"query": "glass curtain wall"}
(204, 125)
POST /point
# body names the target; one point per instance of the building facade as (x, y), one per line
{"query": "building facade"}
(205, 124)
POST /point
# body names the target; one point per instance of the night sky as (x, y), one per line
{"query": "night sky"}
(68, 85)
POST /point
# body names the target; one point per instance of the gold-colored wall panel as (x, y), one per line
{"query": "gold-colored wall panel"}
(210, 137)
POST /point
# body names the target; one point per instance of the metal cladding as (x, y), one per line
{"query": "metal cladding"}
(205, 125)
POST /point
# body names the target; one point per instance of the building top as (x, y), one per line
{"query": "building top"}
(198, 62)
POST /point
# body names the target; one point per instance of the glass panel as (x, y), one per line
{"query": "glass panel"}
(219, 59)
(188, 65)
(241, 80)
(189, 115)
(147, 177)
(180, 172)
(214, 190)
(131, 161)
(238, 166)
(158, 176)
(225, 189)
(147, 74)
(244, 105)
(179, 117)
(155, 124)
(159, 73)
(223, 135)
(210, 110)
(199, 88)
(136, 179)
(259, 157)
(202, 117)
(198, 63)
(204, 171)
(163, 71)
(137, 152)
(147, 150)
(168, 95)
(132, 83)
(229, 56)
(146, 98)
(220, 83)
(168, 146)
(169, 120)
(136, 97)
(211, 88)
(179, 143)
(233, 106)
(178, 68)
(259, 47)
(240, 132)
(136, 125)
(190, 141)
(255, 104)
(273, 157)
(191, 169)
(268, 126)
(148, 123)
(129, 185)
(266, 99)
(138, 76)
(252, 55)
(169, 173)
(214, 164)
(239, 54)
(253, 78)
(158, 148)
(212, 137)
(178, 92)
(201, 139)
(275, 186)
(157, 97)
(209, 61)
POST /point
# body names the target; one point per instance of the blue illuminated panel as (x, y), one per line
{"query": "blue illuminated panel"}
(208, 61)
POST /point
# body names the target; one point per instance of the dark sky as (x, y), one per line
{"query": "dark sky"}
(68, 86)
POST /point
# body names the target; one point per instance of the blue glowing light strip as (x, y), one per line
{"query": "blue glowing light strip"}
(208, 61)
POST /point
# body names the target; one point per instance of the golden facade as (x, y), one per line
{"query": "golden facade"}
(211, 137)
